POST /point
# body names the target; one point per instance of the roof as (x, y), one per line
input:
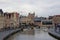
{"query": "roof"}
(57, 15)
(39, 18)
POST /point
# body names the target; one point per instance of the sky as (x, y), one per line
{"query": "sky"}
(43, 8)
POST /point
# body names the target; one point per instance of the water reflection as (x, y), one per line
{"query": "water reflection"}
(37, 35)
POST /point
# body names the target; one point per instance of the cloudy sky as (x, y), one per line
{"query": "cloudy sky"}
(40, 7)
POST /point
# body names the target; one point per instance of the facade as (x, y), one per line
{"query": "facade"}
(38, 21)
(16, 19)
(31, 17)
(27, 19)
(43, 22)
(56, 19)
(56, 27)
(1, 19)
(23, 19)
(47, 23)
(11, 20)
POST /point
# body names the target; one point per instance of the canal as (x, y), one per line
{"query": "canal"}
(37, 34)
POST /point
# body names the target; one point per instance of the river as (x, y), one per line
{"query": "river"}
(28, 35)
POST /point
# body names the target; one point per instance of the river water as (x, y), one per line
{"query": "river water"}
(28, 35)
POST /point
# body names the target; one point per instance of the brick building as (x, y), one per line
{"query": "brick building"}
(31, 17)
(38, 21)
(1, 19)
(27, 19)
(11, 20)
(56, 19)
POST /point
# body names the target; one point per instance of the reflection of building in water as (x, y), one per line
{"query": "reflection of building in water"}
(1, 19)
(11, 19)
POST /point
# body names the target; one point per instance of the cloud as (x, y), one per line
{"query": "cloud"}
(41, 7)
